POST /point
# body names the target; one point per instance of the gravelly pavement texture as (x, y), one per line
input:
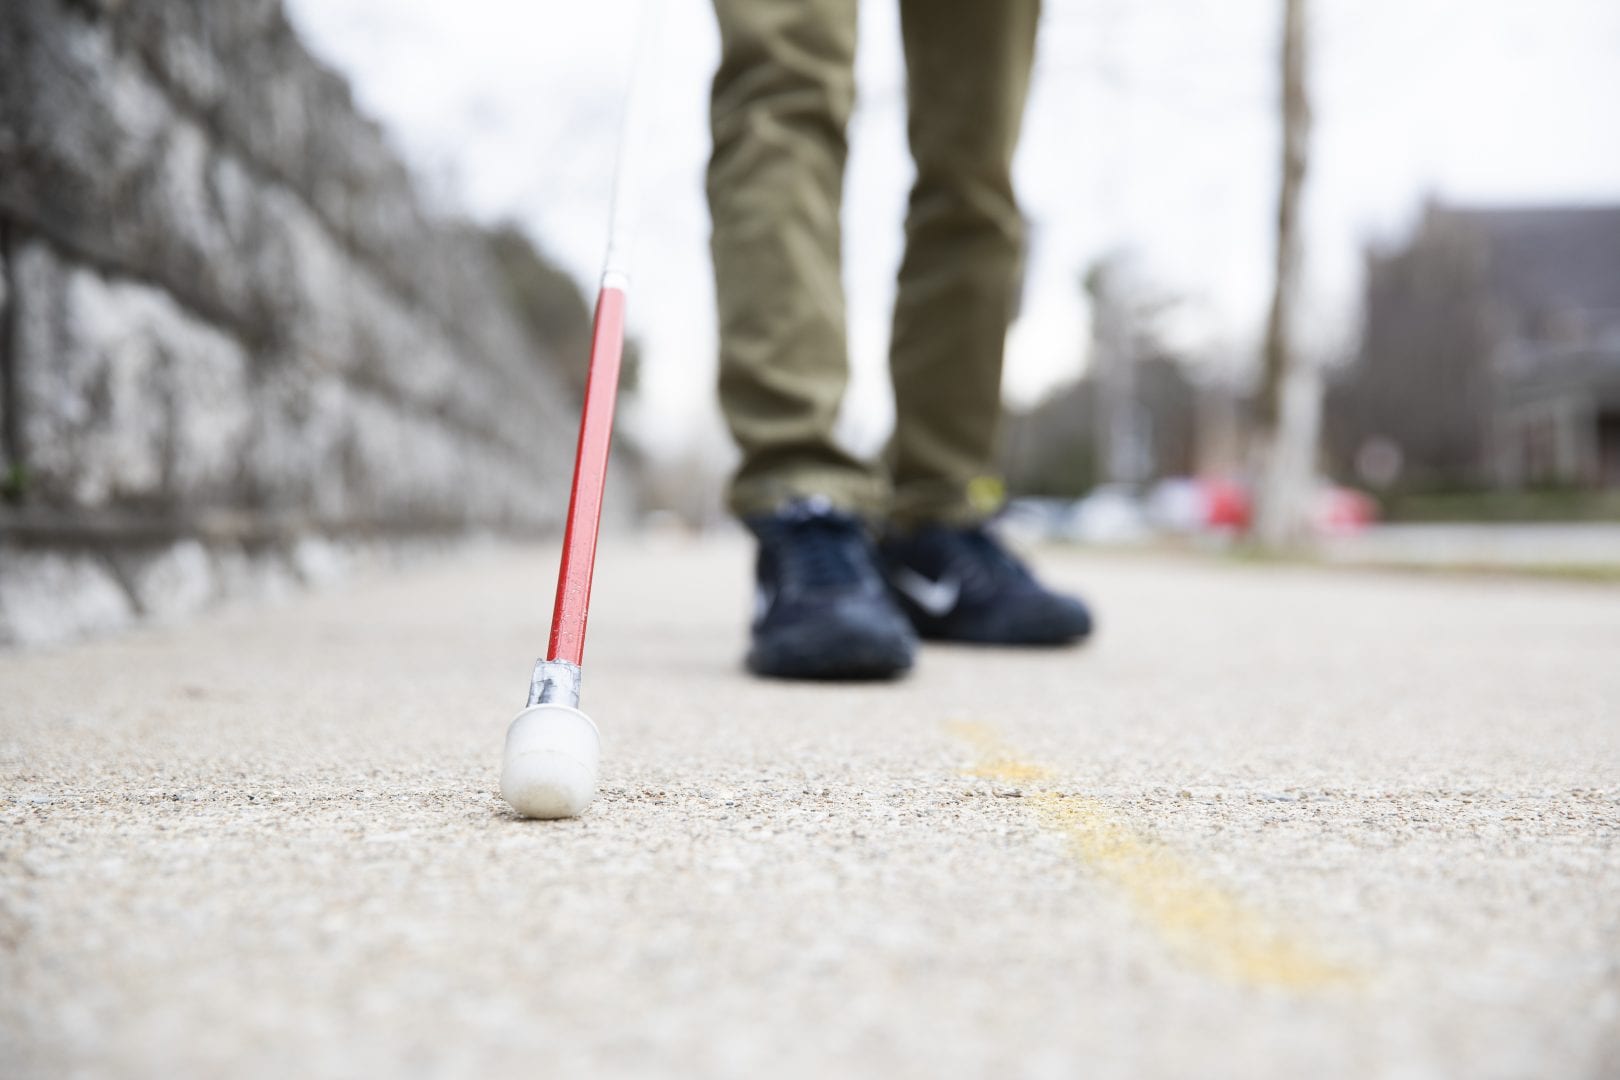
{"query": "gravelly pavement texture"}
(1273, 822)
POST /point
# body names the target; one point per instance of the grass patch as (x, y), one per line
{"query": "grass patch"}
(1504, 507)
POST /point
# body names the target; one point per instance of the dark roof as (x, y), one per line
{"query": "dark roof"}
(1550, 258)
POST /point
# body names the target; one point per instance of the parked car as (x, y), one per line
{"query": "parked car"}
(1214, 504)
(1206, 504)
(1341, 511)
(1110, 514)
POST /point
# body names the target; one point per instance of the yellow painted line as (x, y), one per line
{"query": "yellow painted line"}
(1198, 919)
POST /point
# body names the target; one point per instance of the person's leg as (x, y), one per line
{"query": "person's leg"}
(782, 97)
(781, 100)
(968, 65)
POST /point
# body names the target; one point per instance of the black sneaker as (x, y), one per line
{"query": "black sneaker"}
(961, 584)
(823, 611)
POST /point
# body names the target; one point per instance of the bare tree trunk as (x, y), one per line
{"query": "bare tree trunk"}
(1117, 438)
(1290, 396)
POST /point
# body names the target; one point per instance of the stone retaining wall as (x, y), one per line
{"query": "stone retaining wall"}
(231, 337)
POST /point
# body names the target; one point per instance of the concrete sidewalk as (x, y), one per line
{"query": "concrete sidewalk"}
(1274, 822)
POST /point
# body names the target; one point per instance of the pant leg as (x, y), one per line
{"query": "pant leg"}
(968, 64)
(781, 100)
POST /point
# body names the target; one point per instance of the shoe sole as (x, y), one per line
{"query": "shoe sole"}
(841, 659)
(1028, 641)
(1035, 634)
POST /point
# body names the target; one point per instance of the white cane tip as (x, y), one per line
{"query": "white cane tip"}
(549, 770)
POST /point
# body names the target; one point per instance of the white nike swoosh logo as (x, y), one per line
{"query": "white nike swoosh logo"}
(935, 597)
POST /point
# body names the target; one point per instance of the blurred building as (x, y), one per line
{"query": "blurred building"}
(1490, 354)
(1053, 449)
(1136, 416)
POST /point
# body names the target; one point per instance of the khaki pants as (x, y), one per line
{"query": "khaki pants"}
(781, 100)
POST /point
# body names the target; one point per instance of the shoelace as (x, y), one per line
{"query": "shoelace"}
(988, 559)
(818, 550)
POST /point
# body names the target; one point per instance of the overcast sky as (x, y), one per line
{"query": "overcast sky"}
(1151, 129)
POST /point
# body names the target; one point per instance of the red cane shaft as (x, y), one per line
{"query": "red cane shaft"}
(590, 476)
